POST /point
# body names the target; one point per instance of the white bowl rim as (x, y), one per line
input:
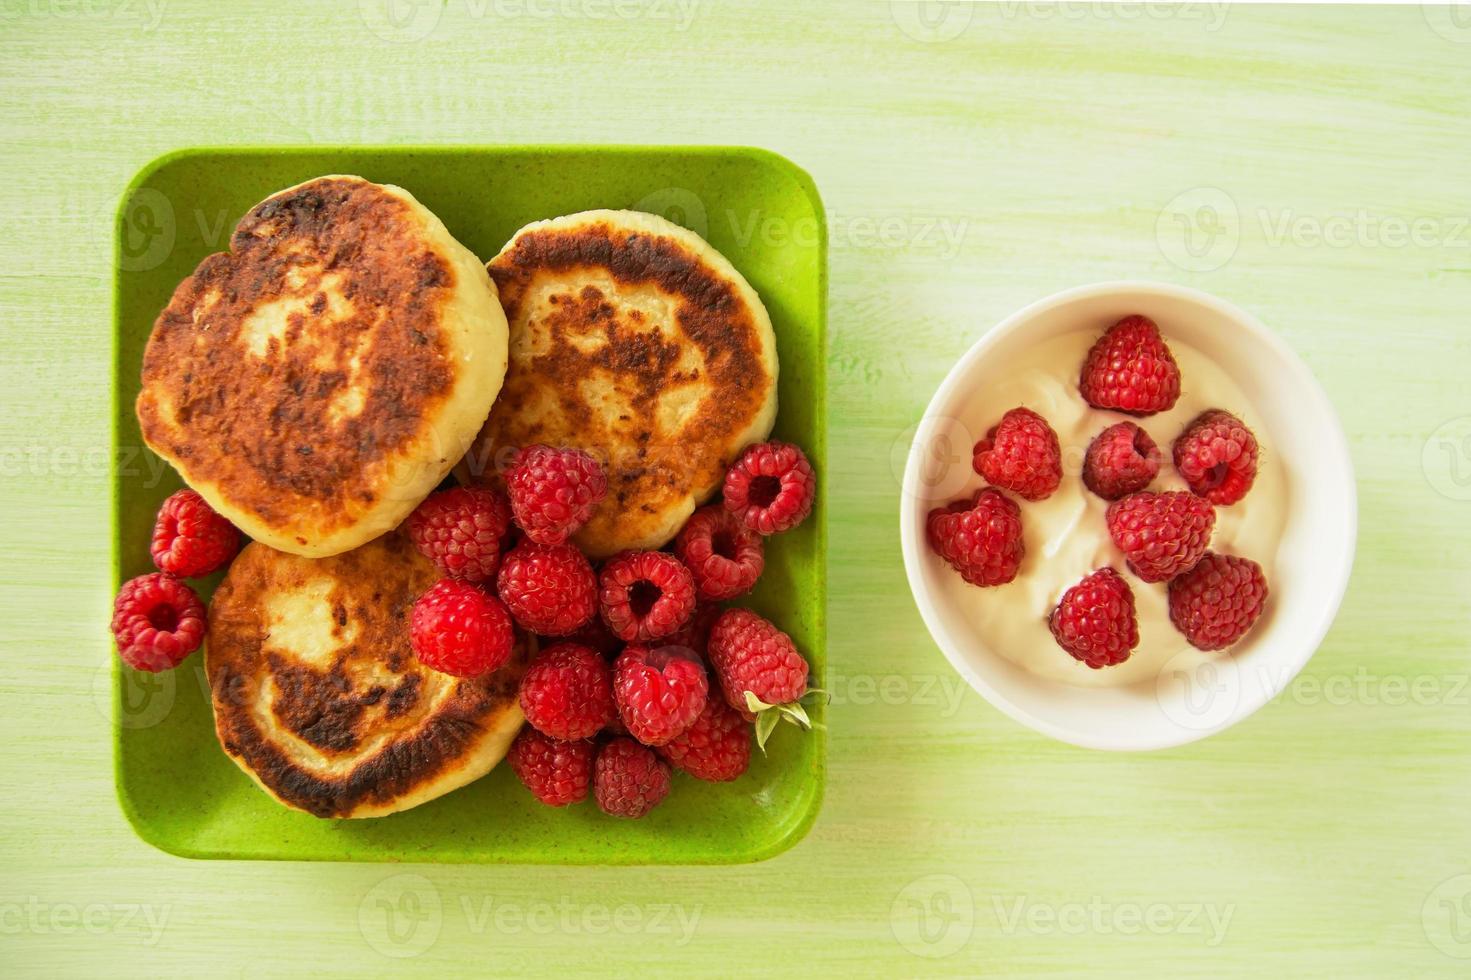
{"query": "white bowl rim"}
(912, 540)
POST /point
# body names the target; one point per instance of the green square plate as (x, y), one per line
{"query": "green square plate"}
(175, 784)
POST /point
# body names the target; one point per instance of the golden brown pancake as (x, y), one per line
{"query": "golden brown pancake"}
(316, 381)
(632, 339)
(319, 697)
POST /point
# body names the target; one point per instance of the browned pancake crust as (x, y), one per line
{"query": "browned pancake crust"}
(262, 429)
(334, 710)
(647, 469)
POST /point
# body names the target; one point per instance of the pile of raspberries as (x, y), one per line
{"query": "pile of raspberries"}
(158, 619)
(641, 667)
(1214, 599)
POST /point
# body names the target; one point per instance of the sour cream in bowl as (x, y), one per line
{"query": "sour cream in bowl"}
(1298, 521)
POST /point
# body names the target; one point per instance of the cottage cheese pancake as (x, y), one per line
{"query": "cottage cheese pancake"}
(319, 698)
(316, 381)
(632, 339)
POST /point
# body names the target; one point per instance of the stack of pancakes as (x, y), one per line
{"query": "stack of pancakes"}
(322, 377)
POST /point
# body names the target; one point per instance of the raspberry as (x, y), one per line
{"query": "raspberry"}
(1095, 622)
(749, 654)
(724, 556)
(1218, 600)
(1161, 534)
(458, 629)
(695, 635)
(1130, 369)
(1020, 454)
(645, 595)
(981, 538)
(549, 589)
(1216, 455)
(1121, 460)
(558, 773)
(771, 487)
(660, 691)
(716, 748)
(554, 491)
(567, 692)
(190, 539)
(462, 531)
(628, 779)
(157, 621)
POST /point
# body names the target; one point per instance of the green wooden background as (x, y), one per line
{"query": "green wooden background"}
(1308, 163)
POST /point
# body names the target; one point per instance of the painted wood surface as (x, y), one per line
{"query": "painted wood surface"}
(1307, 163)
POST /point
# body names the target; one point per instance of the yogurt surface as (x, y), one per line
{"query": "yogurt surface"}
(1066, 536)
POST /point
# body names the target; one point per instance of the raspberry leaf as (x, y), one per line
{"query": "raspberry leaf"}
(755, 704)
(766, 722)
(768, 716)
(795, 713)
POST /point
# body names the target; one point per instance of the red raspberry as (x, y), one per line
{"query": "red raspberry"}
(457, 629)
(695, 635)
(645, 595)
(558, 773)
(1020, 454)
(462, 531)
(554, 491)
(190, 539)
(660, 691)
(724, 556)
(1216, 455)
(567, 692)
(1131, 370)
(550, 589)
(157, 621)
(981, 538)
(716, 748)
(1218, 600)
(748, 653)
(628, 779)
(771, 487)
(1121, 460)
(1095, 622)
(1162, 534)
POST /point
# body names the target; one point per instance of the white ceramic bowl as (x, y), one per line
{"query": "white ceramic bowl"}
(1310, 570)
